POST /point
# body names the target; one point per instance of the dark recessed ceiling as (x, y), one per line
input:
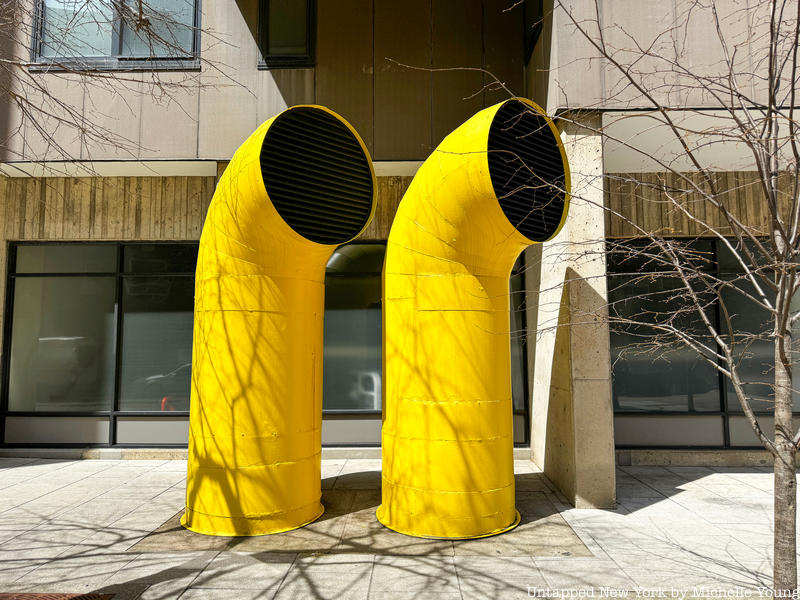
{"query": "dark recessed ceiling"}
(317, 175)
(527, 170)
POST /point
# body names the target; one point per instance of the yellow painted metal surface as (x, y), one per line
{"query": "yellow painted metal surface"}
(256, 404)
(447, 419)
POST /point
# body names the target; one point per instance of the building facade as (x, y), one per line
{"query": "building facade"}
(104, 192)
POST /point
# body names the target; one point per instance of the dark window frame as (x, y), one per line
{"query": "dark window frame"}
(724, 412)
(115, 412)
(283, 61)
(113, 62)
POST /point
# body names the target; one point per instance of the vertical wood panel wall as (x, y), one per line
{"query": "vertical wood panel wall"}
(653, 202)
(129, 208)
(95, 208)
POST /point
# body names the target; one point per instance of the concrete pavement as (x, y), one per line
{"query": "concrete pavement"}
(110, 526)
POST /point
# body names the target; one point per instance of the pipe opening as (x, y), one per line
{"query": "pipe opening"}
(527, 170)
(317, 175)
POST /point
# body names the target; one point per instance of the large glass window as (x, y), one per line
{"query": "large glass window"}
(287, 32)
(86, 316)
(112, 32)
(352, 366)
(62, 344)
(653, 377)
(352, 376)
(107, 327)
(157, 317)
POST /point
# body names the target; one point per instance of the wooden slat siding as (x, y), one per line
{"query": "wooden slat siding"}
(167, 208)
(30, 209)
(194, 191)
(703, 210)
(740, 191)
(156, 202)
(652, 202)
(92, 209)
(111, 208)
(196, 211)
(19, 195)
(785, 196)
(612, 195)
(457, 44)
(643, 198)
(696, 207)
(182, 209)
(626, 208)
(10, 209)
(389, 193)
(687, 199)
(4, 185)
(681, 189)
(738, 206)
(67, 212)
(750, 209)
(81, 209)
(611, 201)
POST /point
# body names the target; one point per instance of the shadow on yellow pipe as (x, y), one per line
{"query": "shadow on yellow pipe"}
(497, 184)
(300, 185)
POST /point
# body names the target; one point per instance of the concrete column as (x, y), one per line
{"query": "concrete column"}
(572, 431)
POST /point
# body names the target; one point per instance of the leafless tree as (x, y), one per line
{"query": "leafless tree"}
(745, 77)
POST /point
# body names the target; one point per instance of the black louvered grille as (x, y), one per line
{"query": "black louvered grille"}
(527, 170)
(317, 175)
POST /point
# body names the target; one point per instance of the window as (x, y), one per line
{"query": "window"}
(352, 371)
(113, 33)
(100, 327)
(287, 31)
(157, 316)
(674, 380)
(100, 334)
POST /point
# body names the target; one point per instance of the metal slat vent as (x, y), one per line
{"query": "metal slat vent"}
(317, 175)
(527, 170)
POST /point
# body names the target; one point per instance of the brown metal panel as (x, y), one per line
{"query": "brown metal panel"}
(504, 49)
(402, 95)
(457, 45)
(344, 62)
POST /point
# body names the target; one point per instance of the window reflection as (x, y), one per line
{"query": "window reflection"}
(648, 376)
(352, 374)
(62, 344)
(518, 336)
(156, 361)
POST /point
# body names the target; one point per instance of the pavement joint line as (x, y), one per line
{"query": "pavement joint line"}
(200, 572)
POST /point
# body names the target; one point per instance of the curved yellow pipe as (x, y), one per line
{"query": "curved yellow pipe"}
(256, 404)
(447, 431)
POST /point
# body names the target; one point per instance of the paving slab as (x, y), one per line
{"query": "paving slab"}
(112, 526)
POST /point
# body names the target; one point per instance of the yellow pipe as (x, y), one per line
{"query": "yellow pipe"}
(495, 185)
(301, 184)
